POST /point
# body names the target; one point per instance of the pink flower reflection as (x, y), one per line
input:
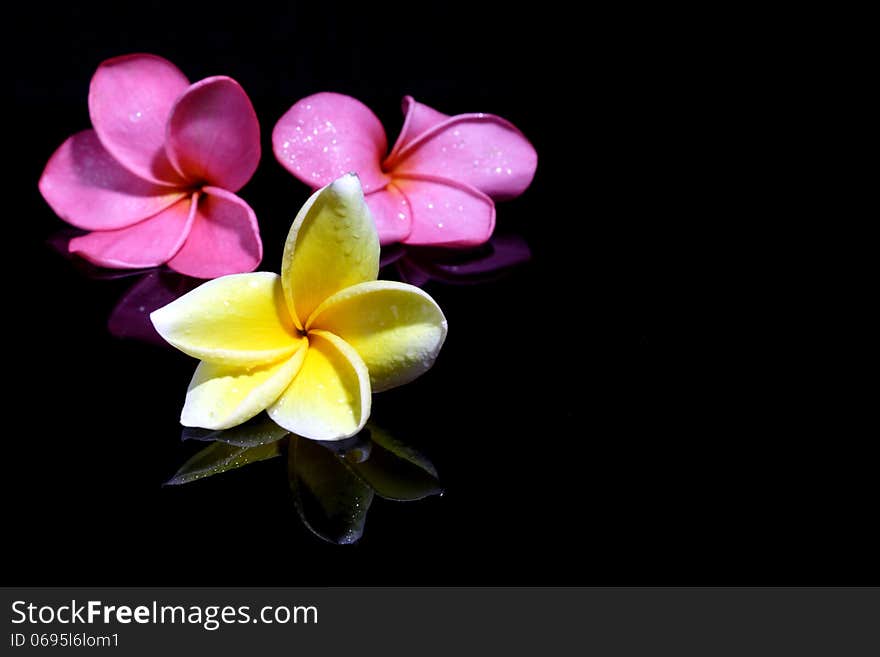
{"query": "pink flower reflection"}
(130, 317)
(489, 262)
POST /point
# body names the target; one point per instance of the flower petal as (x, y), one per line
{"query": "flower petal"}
(237, 320)
(130, 99)
(146, 244)
(480, 150)
(330, 397)
(225, 238)
(397, 329)
(220, 397)
(418, 118)
(86, 187)
(446, 213)
(326, 135)
(391, 214)
(332, 244)
(213, 134)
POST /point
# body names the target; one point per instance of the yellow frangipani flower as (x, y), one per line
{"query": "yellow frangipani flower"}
(311, 345)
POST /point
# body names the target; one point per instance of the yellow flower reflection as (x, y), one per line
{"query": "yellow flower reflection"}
(310, 345)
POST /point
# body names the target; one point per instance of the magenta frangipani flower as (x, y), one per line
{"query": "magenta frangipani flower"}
(155, 179)
(437, 184)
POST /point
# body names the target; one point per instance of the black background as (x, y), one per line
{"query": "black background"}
(626, 409)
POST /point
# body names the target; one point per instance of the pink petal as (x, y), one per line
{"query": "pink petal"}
(89, 189)
(327, 135)
(225, 238)
(130, 99)
(419, 118)
(446, 213)
(146, 244)
(480, 150)
(213, 134)
(391, 214)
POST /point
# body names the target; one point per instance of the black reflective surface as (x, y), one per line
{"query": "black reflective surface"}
(333, 483)
(606, 412)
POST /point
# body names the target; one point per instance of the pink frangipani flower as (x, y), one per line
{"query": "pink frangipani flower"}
(155, 179)
(437, 184)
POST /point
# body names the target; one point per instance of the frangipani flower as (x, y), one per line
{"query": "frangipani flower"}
(155, 179)
(311, 345)
(437, 184)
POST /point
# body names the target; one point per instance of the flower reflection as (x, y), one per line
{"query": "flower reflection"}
(130, 318)
(59, 242)
(152, 289)
(333, 483)
(492, 261)
(157, 287)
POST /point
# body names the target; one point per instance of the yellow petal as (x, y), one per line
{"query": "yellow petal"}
(397, 329)
(332, 244)
(330, 397)
(220, 397)
(238, 320)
